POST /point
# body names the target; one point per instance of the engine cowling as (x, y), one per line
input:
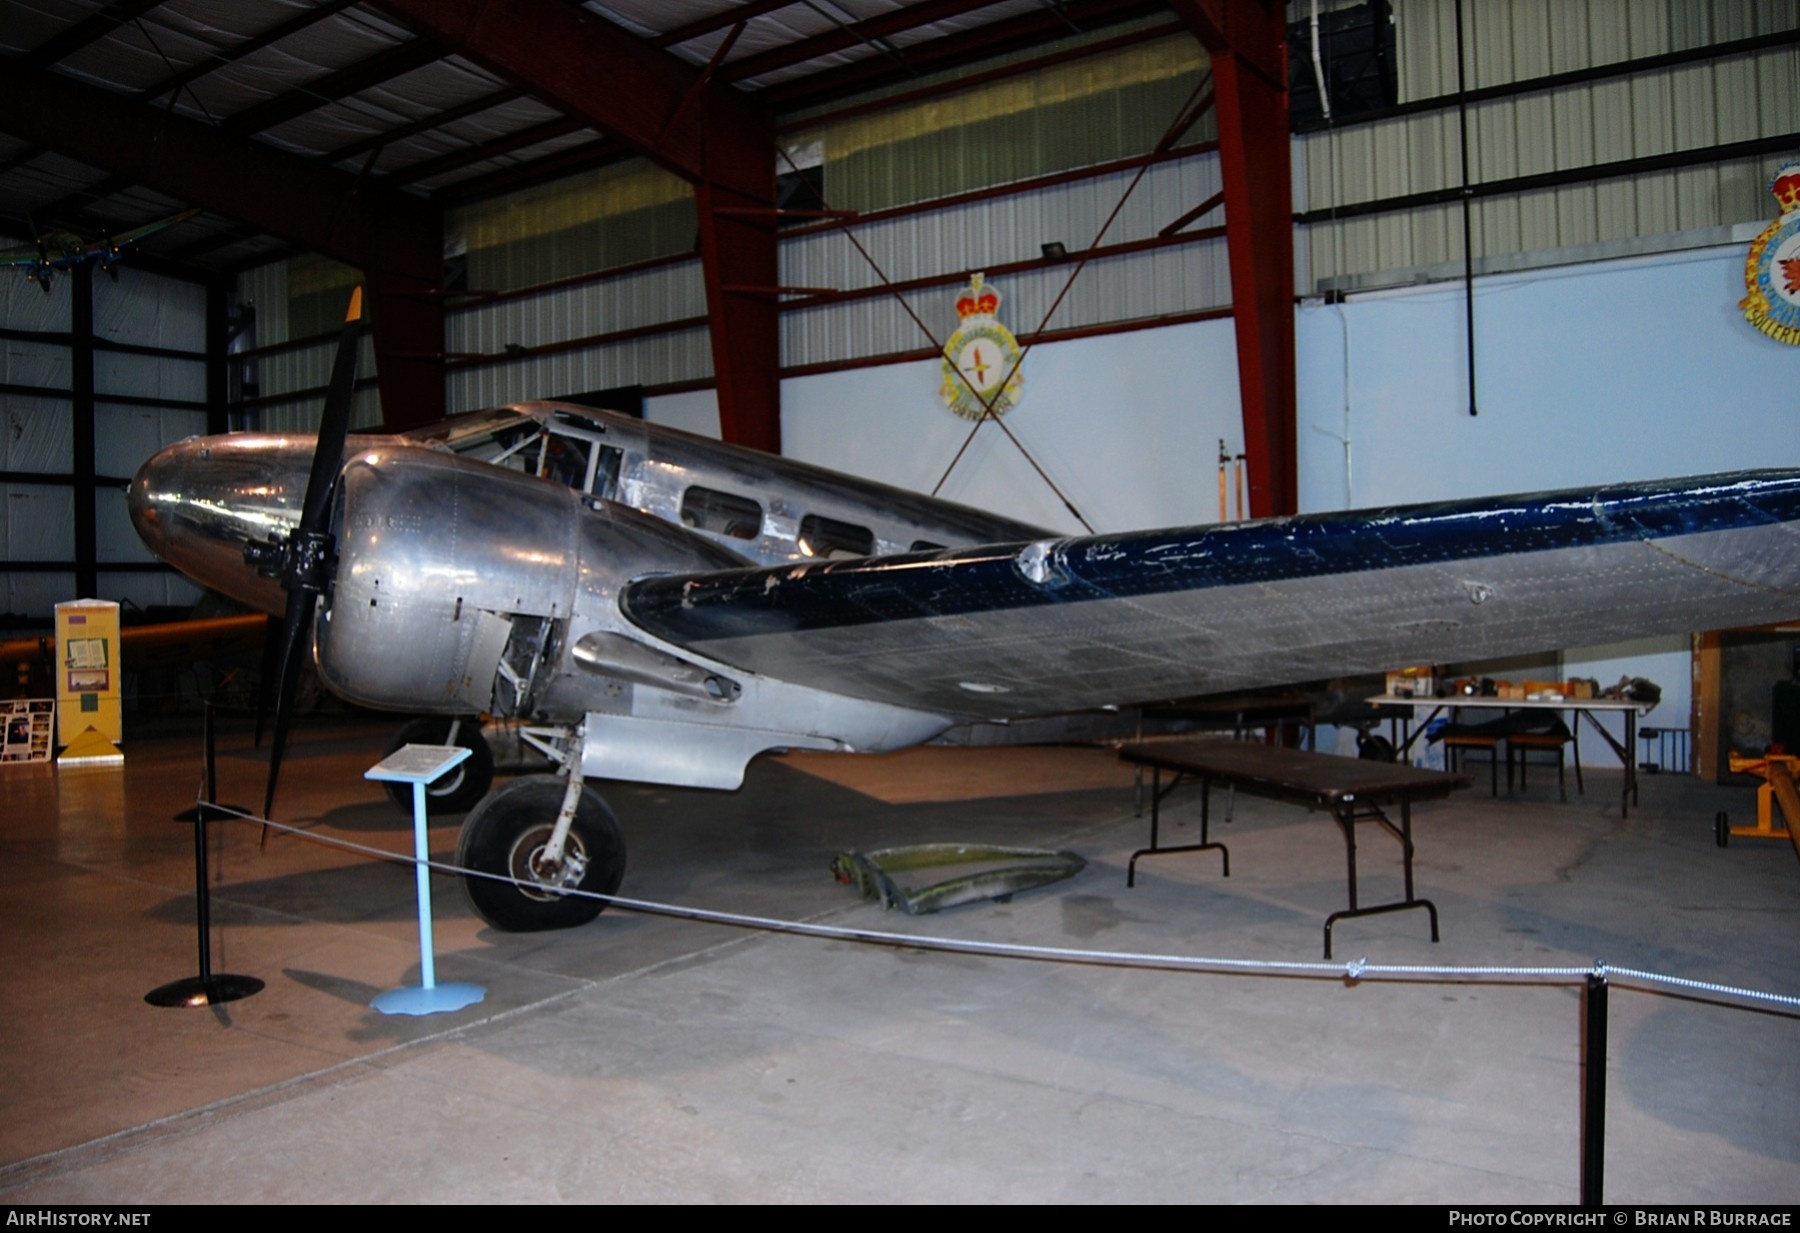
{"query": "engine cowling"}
(458, 583)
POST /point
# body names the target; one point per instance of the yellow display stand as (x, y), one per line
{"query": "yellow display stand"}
(87, 683)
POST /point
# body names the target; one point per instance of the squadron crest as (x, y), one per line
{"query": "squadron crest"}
(1772, 271)
(981, 360)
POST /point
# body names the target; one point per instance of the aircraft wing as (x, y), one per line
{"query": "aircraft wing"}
(1056, 625)
(123, 238)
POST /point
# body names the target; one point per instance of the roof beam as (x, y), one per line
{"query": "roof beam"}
(963, 47)
(388, 136)
(554, 51)
(89, 29)
(396, 241)
(659, 105)
(746, 11)
(479, 152)
(851, 34)
(540, 170)
(372, 70)
(237, 51)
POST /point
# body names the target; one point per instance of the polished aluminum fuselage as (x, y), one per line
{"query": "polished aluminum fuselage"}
(480, 561)
(689, 604)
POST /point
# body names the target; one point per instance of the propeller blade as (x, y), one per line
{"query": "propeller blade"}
(334, 424)
(295, 627)
(308, 550)
(266, 674)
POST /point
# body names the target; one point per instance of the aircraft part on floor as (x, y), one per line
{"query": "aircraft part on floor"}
(976, 872)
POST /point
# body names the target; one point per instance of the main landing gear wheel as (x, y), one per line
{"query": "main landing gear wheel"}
(465, 783)
(506, 835)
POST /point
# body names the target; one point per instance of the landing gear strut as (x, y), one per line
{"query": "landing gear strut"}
(510, 834)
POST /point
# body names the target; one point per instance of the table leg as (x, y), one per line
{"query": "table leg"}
(1345, 817)
(1156, 848)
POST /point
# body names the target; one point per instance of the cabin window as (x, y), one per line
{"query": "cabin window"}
(829, 538)
(925, 545)
(563, 459)
(722, 513)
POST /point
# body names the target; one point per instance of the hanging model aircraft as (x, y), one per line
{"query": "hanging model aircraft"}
(660, 607)
(64, 250)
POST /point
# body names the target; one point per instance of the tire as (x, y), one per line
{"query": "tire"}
(501, 834)
(465, 783)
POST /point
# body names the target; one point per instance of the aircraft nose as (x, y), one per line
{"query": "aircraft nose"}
(198, 502)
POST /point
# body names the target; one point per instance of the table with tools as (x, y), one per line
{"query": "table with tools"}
(1410, 727)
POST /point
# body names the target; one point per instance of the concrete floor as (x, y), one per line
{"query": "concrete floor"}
(643, 1058)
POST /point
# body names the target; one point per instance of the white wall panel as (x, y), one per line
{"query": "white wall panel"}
(150, 310)
(38, 432)
(115, 540)
(37, 522)
(147, 590)
(36, 594)
(23, 306)
(1127, 425)
(41, 365)
(129, 375)
(126, 436)
(1612, 371)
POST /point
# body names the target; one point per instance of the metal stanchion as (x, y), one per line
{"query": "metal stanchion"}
(208, 988)
(1593, 1090)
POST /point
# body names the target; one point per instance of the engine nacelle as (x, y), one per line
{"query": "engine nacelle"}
(457, 581)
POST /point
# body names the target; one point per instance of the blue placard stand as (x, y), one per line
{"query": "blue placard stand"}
(419, 765)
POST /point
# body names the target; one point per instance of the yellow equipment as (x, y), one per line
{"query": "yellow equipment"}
(1777, 772)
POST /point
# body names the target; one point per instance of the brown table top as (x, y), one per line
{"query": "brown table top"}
(1322, 781)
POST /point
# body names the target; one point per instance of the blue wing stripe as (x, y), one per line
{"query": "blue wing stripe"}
(694, 609)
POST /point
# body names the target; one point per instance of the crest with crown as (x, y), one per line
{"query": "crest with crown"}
(1772, 268)
(981, 364)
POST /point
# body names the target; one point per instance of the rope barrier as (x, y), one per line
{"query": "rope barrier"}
(1352, 971)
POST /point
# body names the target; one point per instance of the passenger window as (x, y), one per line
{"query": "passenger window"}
(722, 513)
(829, 538)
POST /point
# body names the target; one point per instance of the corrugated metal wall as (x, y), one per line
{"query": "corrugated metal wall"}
(1658, 111)
(1115, 105)
(1073, 114)
(592, 221)
(654, 296)
(302, 298)
(985, 233)
(139, 408)
(1515, 40)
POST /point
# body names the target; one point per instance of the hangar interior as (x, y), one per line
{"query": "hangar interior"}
(1517, 245)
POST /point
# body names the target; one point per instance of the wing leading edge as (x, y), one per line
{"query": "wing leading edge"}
(1027, 629)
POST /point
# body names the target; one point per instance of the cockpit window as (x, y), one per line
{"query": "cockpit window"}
(831, 539)
(723, 513)
(568, 453)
